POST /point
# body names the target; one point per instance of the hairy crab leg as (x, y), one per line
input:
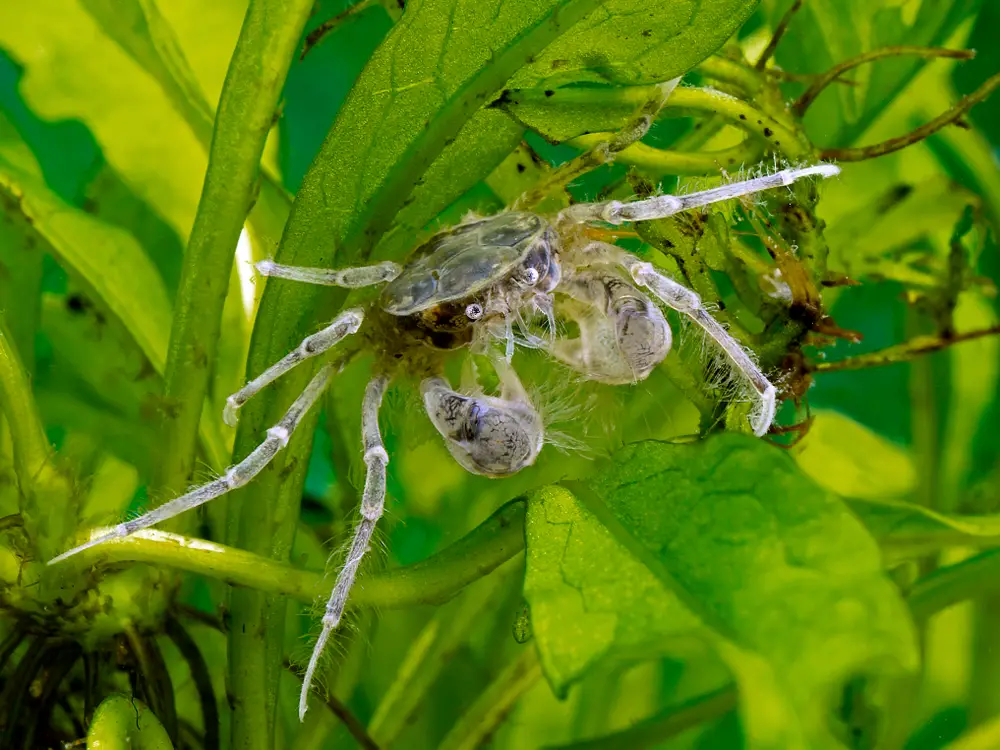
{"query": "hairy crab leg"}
(686, 302)
(662, 206)
(235, 476)
(372, 505)
(344, 325)
(352, 278)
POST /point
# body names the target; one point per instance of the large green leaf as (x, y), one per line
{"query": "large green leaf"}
(787, 582)
(74, 71)
(582, 612)
(632, 43)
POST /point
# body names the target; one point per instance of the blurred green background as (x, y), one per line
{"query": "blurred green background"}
(108, 142)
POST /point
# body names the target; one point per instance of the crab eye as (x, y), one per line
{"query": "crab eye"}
(530, 276)
(474, 311)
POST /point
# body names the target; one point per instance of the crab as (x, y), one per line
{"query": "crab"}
(507, 278)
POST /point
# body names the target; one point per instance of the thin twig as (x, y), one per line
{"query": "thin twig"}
(902, 352)
(895, 144)
(779, 32)
(342, 712)
(803, 103)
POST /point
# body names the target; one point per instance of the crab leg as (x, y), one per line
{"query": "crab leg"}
(662, 206)
(372, 504)
(353, 278)
(684, 301)
(235, 476)
(342, 326)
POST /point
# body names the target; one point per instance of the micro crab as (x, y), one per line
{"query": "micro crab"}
(465, 288)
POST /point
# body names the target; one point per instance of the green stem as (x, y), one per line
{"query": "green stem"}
(31, 447)
(803, 102)
(438, 644)
(246, 112)
(669, 723)
(257, 71)
(915, 347)
(658, 161)
(432, 581)
(493, 705)
(956, 113)
(47, 501)
(944, 587)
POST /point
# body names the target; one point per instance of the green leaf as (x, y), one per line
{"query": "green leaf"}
(907, 531)
(109, 263)
(851, 460)
(100, 352)
(630, 43)
(827, 32)
(583, 613)
(779, 569)
(485, 141)
(107, 259)
(138, 28)
(73, 70)
(880, 240)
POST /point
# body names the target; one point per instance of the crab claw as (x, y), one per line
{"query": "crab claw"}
(491, 436)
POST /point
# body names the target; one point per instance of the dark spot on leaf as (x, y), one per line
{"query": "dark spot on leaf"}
(647, 32)
(743, 117)
(549, 92)
(520, 167)
(768, 132)
(76, 304)
(777, 143)
(287, 469)
(721, 305)
(760, 122)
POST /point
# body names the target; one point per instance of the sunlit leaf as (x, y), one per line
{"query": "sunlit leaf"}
(851, 460)
(74, 71)
(775, 565)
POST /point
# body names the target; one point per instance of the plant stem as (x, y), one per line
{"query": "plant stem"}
(895, 144)
(491, 707)
(944, 587)
(779, 33)
(432, 581)
(31, 447)
(915, 347)
(658, 161)
(47, 501)
(270, 32)
(805, 101)
(668, 723)
(246, 112)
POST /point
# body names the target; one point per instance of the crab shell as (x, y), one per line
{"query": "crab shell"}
(453, 268)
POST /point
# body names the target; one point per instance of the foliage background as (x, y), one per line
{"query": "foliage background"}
(113, 149)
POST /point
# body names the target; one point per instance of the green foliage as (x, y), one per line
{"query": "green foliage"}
(663, 583)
